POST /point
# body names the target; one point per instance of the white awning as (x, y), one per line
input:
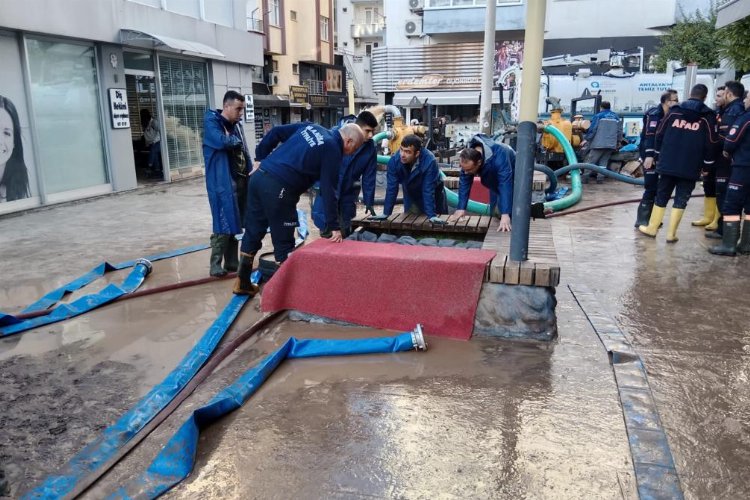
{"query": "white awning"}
(443, 98)
(149, 40)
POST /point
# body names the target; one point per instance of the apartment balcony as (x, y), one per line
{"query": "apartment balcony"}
(730, 11)
(317, 87)
(254, 24)
(368, 30)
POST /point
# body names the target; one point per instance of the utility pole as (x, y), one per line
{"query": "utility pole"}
(488, 64)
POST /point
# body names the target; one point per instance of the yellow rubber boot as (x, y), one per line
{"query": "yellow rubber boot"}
(714, 224)
(709, 211)
(657, 214)
(675, 216)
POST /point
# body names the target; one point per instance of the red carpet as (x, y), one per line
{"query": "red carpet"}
(382, 285)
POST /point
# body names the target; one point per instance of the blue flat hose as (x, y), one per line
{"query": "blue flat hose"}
(177, 458)
(51, 298)
(83, 304)
(117, 435)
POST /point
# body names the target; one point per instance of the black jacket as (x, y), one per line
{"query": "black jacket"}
(686, 140)
(737, 143)
(651, 121)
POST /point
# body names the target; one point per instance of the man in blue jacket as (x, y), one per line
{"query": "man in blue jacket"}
(647, 151)
(685, 144)
(310, 154)
(227, 160)
(603, 138)
(416, 170)
(494, 164)
(733, 108)
(737, 151)
(358, 171)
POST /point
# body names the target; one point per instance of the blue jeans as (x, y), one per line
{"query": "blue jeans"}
(154, 156)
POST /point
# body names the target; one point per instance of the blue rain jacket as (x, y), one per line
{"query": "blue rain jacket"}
(309, 153)
(276, 136)
(496, 175)
(219, 138)
(607, 113)
(421, 185)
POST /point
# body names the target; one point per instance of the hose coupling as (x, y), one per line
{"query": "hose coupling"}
(417, 338)
(145, 263)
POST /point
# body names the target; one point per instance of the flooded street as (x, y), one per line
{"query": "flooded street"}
(482, 419)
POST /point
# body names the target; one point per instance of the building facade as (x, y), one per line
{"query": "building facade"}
(301, 78)
(78, 81)
(433, 49)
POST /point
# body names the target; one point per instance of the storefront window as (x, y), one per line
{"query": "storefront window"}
(67, 115)
(185, 99)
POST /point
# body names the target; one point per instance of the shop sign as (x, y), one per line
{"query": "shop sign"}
(249, 108)
(435, 81)
(319, 101)
(298, 94)
(118, 108)
(337, 101)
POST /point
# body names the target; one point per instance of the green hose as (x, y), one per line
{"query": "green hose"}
(575, 175)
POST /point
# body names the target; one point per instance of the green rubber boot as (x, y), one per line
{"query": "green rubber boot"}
(218, 243)
(231, 259)
(728, 245)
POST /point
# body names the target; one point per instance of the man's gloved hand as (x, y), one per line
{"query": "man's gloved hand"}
(370, 210)
(436, 220)
(378, 217)
(537, 211)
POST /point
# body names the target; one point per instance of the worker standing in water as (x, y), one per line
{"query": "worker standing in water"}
(310, 154)
(651, 121)
(495, 165)
(416, 170)
(685, 144)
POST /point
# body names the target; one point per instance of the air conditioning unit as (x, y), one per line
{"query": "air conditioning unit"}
(273, 78)
(416, 5)
(413, 27)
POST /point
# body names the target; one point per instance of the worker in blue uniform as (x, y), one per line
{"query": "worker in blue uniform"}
(416, 171)
(710, 217)
(733, 108)
(358, 172)
(227, 165)
(685, 145)
(495, 165)
(647, 151)
(737, 152)
(312, 153)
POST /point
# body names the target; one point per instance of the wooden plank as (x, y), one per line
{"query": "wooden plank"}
(554, 276)
(387, 223)
(407, 223)
(397, 223)
(526, 273)
(419, 222)
(497, 269)
(461, 224)
(471, 226)
(484, 223)
(512, 272)
(542, 274)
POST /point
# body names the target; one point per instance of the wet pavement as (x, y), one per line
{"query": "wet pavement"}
(481, 419)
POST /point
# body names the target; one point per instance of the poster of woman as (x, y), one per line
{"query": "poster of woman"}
(14, 175)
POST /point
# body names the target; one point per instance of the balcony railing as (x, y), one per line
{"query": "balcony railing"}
(255, 24)
(721, 4)
(315, 87)
(371, 30)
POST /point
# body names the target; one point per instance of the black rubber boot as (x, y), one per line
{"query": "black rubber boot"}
(744, 247)
(243, 285)
(231, 259)
(217, 253)
(644, 213)
(728, 244)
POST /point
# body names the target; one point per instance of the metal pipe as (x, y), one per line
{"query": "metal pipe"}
(522, 184)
